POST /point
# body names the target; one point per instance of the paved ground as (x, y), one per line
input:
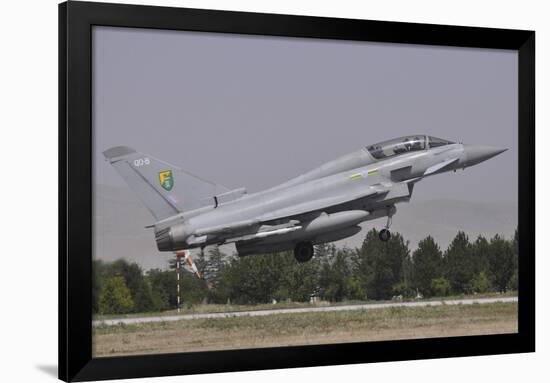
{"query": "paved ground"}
(368, 306)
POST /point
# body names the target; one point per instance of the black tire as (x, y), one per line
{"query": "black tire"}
(303, 251)
(384, 235)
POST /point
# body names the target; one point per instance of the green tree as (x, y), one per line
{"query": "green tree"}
(193, 289)
(480, 255)
(252, 279)
(164, 284)
(513, 284)
(115, 297)
(440, 287)
(406, 287)
(299, 280)
(214, 265)
(501, 262)
(262, 278)
(337, 281)
(200, 262)
(143, 298)
(403, 289)
(515, 244)
(131, 272)
(480, 283)
(428, 265)
(379, 264)
(135, 281)
(458, 264)
(98, 281)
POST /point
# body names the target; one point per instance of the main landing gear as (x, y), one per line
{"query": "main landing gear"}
(385, 234)
(303, 251)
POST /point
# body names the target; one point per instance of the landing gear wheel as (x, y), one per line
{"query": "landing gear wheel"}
(303, 252)
(384, 235)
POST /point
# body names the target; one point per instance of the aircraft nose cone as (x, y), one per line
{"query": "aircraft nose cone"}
(478, 153)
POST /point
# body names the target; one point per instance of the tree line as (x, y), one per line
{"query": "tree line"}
(375, 271)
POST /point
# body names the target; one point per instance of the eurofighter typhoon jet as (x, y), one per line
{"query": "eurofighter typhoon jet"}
(323, 205)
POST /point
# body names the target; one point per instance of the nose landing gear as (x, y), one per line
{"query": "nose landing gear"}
(385, 234)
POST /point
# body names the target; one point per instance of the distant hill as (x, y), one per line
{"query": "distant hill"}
(120, 221)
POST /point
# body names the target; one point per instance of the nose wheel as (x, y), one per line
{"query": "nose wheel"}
(385, 234)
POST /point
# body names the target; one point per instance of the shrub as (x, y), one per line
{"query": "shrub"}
(116, 297)
(441, 286)
(480, 283)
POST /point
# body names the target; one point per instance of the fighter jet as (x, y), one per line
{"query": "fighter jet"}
(323, 205)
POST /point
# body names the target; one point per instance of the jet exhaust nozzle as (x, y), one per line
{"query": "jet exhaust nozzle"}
(171, 238)
(163, 238)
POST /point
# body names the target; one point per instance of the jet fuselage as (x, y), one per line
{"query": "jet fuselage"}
(263, 221)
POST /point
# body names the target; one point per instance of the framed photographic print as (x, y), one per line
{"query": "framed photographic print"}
(247, 191)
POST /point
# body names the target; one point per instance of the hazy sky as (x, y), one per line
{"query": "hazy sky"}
(255, 111)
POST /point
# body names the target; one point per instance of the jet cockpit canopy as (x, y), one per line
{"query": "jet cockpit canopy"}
(397, 146)
(404, 145)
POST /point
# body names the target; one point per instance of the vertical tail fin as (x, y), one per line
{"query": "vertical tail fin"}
(165, 189)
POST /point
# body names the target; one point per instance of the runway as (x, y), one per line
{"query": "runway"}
(367, 306)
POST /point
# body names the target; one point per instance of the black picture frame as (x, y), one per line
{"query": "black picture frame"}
(75, 190)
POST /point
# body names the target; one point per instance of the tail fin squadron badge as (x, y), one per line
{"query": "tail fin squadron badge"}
(166, 180)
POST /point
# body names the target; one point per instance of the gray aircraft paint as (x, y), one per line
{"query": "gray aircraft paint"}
(335, 197)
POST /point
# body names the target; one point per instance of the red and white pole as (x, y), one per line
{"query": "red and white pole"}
(178, 258)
